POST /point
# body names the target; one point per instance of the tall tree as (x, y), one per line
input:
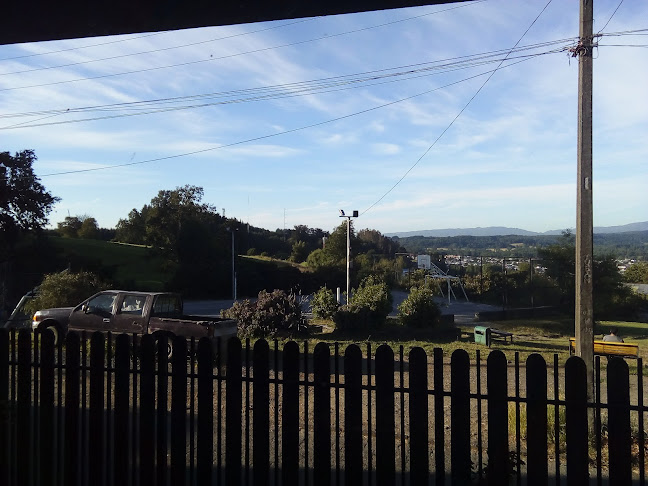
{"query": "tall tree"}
(69, 227)
(24, 202)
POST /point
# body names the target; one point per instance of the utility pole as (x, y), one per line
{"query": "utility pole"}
(584, 220)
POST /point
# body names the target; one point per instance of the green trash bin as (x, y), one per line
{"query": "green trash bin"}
(483, 335)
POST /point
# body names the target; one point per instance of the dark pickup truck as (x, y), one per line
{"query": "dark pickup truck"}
(131, 312)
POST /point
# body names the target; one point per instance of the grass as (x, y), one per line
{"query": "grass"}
(280, 263)
(132, 264)
(544, 336)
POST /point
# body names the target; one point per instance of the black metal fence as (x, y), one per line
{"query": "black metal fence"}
(104, 412)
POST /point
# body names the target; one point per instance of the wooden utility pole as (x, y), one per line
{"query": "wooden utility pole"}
(584, 219)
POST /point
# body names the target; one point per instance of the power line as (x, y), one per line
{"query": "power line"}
(199, 61)
(611, 17)
(292, 130)
(456, 117)
(152, 51)
(81, 47)
(268, 93)
(625, 45)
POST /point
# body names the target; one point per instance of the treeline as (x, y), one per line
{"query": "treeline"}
(620, 245)
(195, 244)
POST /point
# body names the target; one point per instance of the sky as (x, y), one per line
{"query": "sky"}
(419, 118)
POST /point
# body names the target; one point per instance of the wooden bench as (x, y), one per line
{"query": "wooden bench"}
(496, 333)
(609, 348)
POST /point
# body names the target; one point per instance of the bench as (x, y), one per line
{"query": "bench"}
(609, 348)
(496, 333)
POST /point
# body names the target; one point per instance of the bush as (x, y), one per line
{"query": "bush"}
(373, 294)
(323, 304)
(369, 306)
(251, 251)
(351, 318)
(271, 313)
(419, 309)
(65, 289)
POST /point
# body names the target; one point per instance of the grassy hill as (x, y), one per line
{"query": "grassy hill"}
(136, 267)
(128, 266)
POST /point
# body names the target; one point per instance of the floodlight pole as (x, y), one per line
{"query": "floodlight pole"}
(231, 230)
(584, 214)
(348, 257)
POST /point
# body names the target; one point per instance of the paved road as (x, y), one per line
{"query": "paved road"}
(463, 311)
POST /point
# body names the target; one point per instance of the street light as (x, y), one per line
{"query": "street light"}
(348, 286)
(231, 230)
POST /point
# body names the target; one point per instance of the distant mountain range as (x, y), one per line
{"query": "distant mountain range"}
(503, 231)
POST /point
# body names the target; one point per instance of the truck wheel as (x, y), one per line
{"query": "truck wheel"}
(169, 344)
(55, 330)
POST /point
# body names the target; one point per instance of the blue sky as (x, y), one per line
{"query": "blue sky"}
(313, 144)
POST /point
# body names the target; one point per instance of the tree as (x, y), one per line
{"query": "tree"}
(89, 228)
(69, 227)
(24, 202)
(611, 297)
(371, 239)
(637, 273)
(65, 289)
(132, 229)
(161, 223)
(299, 252)
(82, 226)
(336, 244)
(189, 234)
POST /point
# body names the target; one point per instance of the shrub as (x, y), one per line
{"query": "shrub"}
(369, 306)
(324, 304)
(65, 289)
(373, 294)
(271, 313)
(349, 318)
(251, 251)
(419, 309)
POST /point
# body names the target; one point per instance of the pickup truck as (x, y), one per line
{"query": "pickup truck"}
(135, 312)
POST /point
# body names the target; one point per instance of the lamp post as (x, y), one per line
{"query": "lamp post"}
(231, 230)
(348, 259)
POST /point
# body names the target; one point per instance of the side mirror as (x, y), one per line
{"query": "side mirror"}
(85, 309)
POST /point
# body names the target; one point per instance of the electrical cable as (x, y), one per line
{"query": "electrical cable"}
(457, 116)
(284, 132)
(81, 47)
(611, 16)
(199, 61)
(267, 97)
(153, 51)
(279, 91)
